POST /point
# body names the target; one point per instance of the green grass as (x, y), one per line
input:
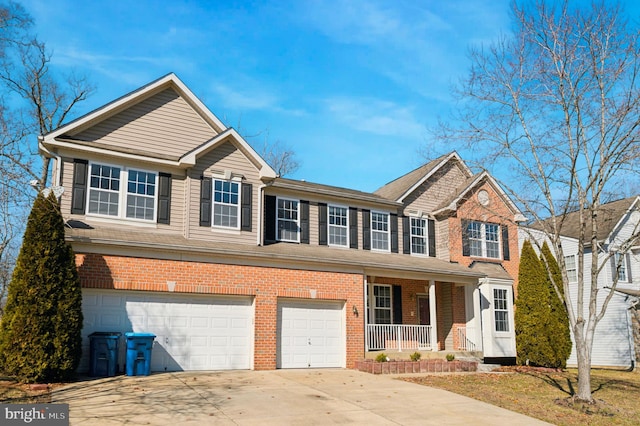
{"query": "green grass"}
(547, 395)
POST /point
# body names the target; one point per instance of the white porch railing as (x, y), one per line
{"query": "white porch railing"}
(398, 337)
(464, 343)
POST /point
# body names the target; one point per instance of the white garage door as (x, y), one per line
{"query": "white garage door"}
(310, 334)
(194, 332)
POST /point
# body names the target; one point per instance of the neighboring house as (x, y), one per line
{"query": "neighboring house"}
(182, 230)
(613, 344)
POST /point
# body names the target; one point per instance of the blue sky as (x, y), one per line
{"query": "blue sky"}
(351, 85)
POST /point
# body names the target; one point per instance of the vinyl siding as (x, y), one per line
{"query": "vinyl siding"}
(164, 123)
(436, 189)
(224, 157)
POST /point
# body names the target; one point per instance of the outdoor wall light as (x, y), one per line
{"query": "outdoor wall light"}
(355, 310)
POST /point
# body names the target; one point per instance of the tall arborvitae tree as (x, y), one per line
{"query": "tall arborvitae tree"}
(557, 328)
(532, 309)
(40, 332)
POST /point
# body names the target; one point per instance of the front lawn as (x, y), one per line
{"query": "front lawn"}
(545, 395)
(12, 392)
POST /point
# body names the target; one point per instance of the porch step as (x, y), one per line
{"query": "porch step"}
(487, 368)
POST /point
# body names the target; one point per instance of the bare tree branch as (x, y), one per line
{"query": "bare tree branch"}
(556, 109)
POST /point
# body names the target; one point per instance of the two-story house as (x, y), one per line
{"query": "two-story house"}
(181, 229)
(617, 336)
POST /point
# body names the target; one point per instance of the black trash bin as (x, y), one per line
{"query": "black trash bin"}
(139, 347)
(103, 355)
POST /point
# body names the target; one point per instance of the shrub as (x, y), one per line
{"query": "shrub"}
(40, 331)
(450, 357)
(541, 322)
(382, 357)
(415, 356)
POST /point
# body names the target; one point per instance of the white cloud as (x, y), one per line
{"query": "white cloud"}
(252, 99)
(375, 116)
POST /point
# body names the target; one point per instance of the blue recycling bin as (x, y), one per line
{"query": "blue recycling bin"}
(139, 347)
(103, 353)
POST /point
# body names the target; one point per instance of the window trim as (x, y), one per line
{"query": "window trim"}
(123, 192)
(387, 232)
(345, 227)
(375, 303)
(238, 205)
(298, 230)
(623, 266)
(575, 268)
(483, 240)
(425, 237)
(506, 310)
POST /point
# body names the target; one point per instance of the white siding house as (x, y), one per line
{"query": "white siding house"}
(614, 335)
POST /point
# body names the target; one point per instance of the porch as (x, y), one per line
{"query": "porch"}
(404, 316)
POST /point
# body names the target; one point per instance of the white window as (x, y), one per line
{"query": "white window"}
(484, 239)
(226, 203)
(418, 236)
(380, 231)
(572, 270)
(338, 226)
(621, 264)
(501, 309)
(382, 304)
(107, 195)
(288, 220)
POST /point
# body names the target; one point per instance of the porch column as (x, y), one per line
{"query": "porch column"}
(433, 315)
(477, 318)
(366, 313)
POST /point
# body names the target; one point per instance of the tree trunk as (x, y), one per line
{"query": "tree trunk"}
(583, 353)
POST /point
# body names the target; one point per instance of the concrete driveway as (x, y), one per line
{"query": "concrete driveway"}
(282, 397)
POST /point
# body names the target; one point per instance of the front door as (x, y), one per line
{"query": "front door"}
(424, 311)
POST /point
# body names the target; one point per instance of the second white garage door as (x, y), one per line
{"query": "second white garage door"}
(311, 334)
(194, 332)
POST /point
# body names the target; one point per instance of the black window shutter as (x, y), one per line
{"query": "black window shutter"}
(164, 198)
(245, 207)
(366, 229)
(322, 224)
(505, 242)
(466, 250)
(397, 304)
(353, 227)
(304, 222)
(393, 218)
(269, 218)
(205, 201)
(406, 235)
(431, 229)
(79, 192)
(614, 266)
(628, 258)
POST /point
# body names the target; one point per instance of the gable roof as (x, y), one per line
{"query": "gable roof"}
(60, 137)
(168, 81)
(398, 189)
(610, 216)
(451, 204)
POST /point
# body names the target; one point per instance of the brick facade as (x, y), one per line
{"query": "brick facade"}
(264, 284)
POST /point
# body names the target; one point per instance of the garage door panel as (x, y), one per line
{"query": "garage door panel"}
(310, 334)
(189, 329)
